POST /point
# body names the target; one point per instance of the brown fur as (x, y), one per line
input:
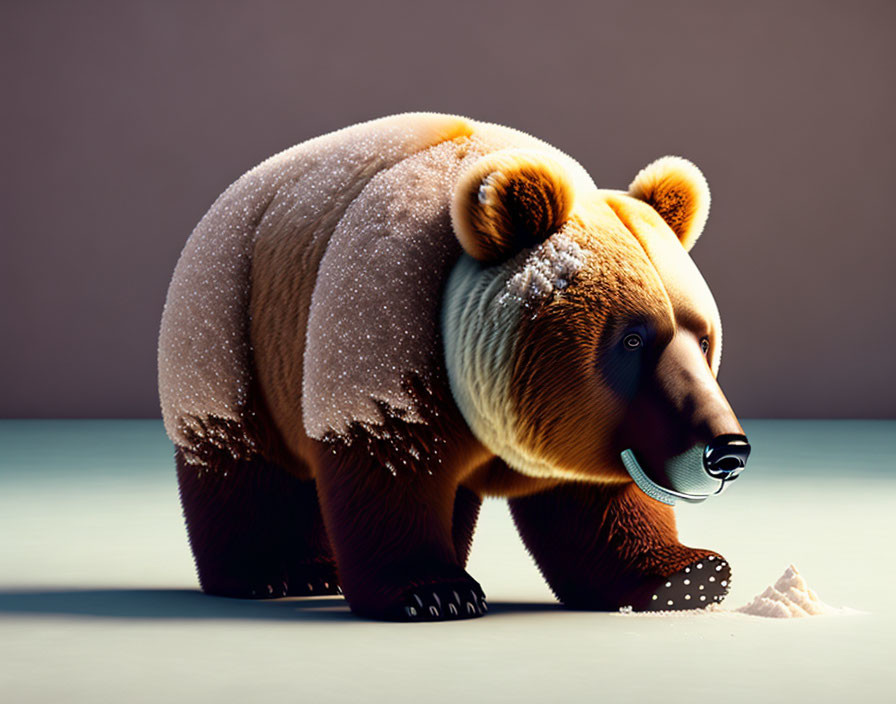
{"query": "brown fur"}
(562, 351)
(255, 529)
(392, 516)
(284, 266)
(600, 543)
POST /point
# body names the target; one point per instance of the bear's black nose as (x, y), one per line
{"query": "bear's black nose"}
(726, 456)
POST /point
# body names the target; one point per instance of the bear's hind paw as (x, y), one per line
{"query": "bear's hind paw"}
(314, 580)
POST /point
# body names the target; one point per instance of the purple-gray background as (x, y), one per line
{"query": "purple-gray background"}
(122, 121)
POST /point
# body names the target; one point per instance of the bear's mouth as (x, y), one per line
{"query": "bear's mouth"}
(691, 463)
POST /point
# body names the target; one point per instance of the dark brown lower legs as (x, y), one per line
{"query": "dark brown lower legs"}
(255, 530)
(400, 536)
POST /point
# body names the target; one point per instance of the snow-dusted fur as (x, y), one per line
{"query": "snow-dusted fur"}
(373, 202)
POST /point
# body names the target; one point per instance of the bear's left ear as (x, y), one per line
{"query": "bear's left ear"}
(509, 200)
(678, 191)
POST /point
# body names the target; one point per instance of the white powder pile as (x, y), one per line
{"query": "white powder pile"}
(789, 597)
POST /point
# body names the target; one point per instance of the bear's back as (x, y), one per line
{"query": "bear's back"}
(343, 244)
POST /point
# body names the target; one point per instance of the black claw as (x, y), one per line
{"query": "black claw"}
(437, 600)
(410, 611)
(434, 611)
(484, 606)
(470, 608)
(452, 609)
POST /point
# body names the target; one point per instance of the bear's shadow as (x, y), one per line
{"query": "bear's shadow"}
(193, 605)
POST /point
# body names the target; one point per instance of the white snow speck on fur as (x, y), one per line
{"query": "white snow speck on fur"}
(374, 312)
(374, 315)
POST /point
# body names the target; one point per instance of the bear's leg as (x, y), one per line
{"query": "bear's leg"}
(391, 531)
(466, 512)
(255, 530)
(606, 547)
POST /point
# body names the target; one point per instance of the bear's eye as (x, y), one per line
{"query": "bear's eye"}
(704, 345)
(632, 341)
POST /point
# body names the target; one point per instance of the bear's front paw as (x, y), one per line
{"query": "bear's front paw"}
(443, 602)
(447, 598)
(700, 584)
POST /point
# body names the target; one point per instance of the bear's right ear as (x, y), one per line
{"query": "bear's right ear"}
(678, 191)
(507, 201)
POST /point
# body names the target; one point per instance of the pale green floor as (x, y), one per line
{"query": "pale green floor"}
(98, 597)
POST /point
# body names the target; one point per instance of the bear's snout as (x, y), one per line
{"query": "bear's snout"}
(726, 456)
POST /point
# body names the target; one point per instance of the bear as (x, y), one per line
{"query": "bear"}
(371, 331)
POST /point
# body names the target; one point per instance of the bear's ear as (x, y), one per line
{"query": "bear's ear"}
(678, 192)
(507, 201)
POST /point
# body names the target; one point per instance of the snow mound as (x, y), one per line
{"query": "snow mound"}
(789, 597)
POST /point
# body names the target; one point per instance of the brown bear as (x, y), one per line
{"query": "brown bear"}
(373, 330)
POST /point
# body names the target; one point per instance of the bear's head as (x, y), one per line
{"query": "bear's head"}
(580, 339)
